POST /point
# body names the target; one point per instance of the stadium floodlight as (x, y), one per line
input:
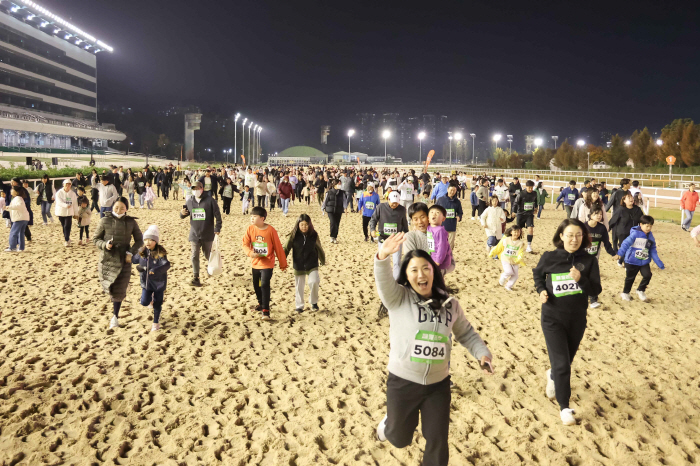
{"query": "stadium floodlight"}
(580, 143)
(659, 142)
(386, 134)
(538, 142)
(496, 138)
(350, 133)
(458, 136)
(421, 136)
(628, 142)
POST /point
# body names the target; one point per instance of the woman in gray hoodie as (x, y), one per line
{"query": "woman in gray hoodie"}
(423, 317)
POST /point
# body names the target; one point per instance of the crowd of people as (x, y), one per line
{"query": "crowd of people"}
(413, 218)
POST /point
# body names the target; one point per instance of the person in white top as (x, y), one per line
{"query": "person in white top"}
(19, 216)
(66, 208)
(108, 195)
(407, 190)
(501, 192)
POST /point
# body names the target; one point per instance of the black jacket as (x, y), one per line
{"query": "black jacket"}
(205, 213)
(514, 189)
(214, 182)
(525, 198)
(304, 251)
(40, 192)
(566, 297)
(334, 201)
(623, 219)
(615, 199)
(82, 182)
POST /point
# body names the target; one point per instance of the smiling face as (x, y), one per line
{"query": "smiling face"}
(419, 221)
(572, 236)
(451, 191)
(119, 208)
(598, 216)
(629, 201)
(150, 243)
(420, 276)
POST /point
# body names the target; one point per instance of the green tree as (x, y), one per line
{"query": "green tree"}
(617, 156)
(515, 160)
(681, 140)
(539, 159)
(565, 157)
(642, 150)
(501, 158)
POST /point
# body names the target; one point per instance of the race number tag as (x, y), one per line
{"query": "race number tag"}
(431, 242)
(260, 248)
(642, 254)
(640, 243)
(450, 213)
(572, 197)
(511, 250)
(199, 214)
(528, 206)
(228, 191)
(369, 205)
(409, 191)
(390, 228)
(563, 285)
(593, 250)
(69, 201)
(429, 347)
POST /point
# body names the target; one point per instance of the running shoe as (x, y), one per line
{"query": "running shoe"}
(300, 310)
(626, 296)
(567, 417)
(508, 288)
(380, 430)
(258, 308)
(595, 305)
(642, 296)
(155, 327)
(195, 282)
(620, 264)
(265, 314)
(502, 281)
(550, 391)
(114, 323)
(314, 307)
(9, 250)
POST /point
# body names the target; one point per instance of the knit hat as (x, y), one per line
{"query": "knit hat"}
(152, 233)
(394, 197)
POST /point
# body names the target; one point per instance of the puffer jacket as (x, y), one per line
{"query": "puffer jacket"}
(639, 248)
(112, 261)
(492, 219)
(156, 281)
(40, 191)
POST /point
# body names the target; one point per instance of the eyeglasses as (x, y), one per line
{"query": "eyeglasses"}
(577, 236)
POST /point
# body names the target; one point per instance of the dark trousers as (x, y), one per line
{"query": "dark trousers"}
(157, 297)
(66, 223)
(563, 332)
(261, 201)
(27, 233)
(227, 204)
(85, 229)
(365, 225)
(404, 401)
(334, 217)
(165, 189)
(631, 273)
(475, 209)
(273, 200)
(95, 196)
(482, 207)
(539, 210)
(261, 285)
(617, 241)
(568, 209)
(320, 195)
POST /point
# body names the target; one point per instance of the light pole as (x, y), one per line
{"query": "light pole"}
(450, 138)
(510, 143)
(255, 140)
(252, 157)
(496, 138)
(385, 134)
(259, 151)
(555, 141)
(538, 143)
(243, 136)
(235, 137)
(421, 136)
(458, 137)
(580, 143)
(350, 133)
(473, 136)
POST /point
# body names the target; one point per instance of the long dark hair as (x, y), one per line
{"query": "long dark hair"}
(439, 289)
(585, 241)
(303, 218)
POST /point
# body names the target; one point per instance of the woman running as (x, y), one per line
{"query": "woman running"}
(623, 219)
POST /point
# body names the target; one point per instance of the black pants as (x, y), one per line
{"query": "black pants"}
(563, 332)
(227, 204)
(95, 196)
(334, 217)
(27, 233)
(475, 209)
(482, 207)
(66, 223)
(558, 204)
(617, 240)
(261, 201)
(273, 200)
(631, 274)
(404, 401)
(365, 225)
(320, 195)
(85, 229)
(165, 189)
(261, 285)
(568, 209)
(307, 199)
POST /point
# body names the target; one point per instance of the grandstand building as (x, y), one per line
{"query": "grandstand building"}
(48, 83)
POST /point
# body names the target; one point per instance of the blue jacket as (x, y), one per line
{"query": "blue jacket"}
(473, 199)
(565, 195)
(362, 203)
(439, 190)
(454, 211)
(639, 248)
(157, 281)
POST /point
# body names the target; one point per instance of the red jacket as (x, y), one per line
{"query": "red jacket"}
(689, 200)
(285, 190)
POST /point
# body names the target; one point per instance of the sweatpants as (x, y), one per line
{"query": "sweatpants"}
(157, 297)
(300, 281)
(563, 332)
(244, 206)
(631, 273)
(365, 225)
(227, 204)
(261, 285)
(334, 218)
(66, 223)
(405, 400)
(206, 249)
(510, 273)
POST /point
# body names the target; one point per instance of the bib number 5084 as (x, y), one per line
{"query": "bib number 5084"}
(429, 351)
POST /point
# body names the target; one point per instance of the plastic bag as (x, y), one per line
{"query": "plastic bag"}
(215, 266)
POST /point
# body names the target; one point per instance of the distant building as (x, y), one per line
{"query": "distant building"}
(299, 156)
(605, 138)
(179, 110)
(529, 143)
(367, 130)
(348, 157)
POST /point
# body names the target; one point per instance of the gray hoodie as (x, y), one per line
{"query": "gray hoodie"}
(387, 220)
(421, 340)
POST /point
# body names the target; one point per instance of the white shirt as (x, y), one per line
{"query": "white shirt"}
(66, 203)
(108, 195)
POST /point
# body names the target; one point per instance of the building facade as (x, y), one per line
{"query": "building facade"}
(48, 82)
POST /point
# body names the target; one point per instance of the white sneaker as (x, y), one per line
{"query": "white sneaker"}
(626, 296)
(595, 305)
(508, 288)
(155, 327)
(9, 250)
(529, 249)
(502, 281)
(114, 323)
(642, 296)
(567, 417)
(620, 264)
(66, 243)
(472, 218)
(550, 391)
(380, 430)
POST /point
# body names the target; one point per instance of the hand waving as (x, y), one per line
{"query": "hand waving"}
(391, 245)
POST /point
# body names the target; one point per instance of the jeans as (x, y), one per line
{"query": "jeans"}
(103, 210)
(688, 215)
(85, 229)
(157, 298)
(17, 234)
(66, 223)
(261, 285)
(46, 210)
(347, 199)
(149, 204)
(395, 258)
(142, 199)
(206, 249)
(131, 199)
(300, 282)
(285, 205)
(491, 242)
(631, 273)
(539, 211)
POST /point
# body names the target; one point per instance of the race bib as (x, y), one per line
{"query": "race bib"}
(563, 285)
(511, 250)
(528, 205)
(369, 205)
(572, 197)
(642, 254)
(431, 242)
(450, 213)
(640, 243)
(199, 214)
(228, 191)
(260, 248)
(140, 184)
(390, 228)
(409, 191)
(429, 347)
(593, 250)
(69, 201)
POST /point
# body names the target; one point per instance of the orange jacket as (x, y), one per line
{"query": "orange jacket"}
(689, 200)
(257, 241)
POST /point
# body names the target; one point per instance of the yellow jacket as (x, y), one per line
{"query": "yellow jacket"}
(509, 250)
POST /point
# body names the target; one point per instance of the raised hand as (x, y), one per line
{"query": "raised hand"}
(391, 245)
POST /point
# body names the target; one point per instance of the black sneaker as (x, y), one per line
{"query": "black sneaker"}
(314, 307)
(195, 282)
(258, 308)
(383, 311)
(300, 310)
(366, 239)
(265, 314)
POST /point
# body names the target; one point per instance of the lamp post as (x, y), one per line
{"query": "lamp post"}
(385, 134)
(252, 158)
(473, 136)
(538, 143)
(350, 133)
(496, 138)
(255, 140)
(555, 141)
(458, 137)
(450, 143)
(259, 151)
(421, 136)
(243, 136)
(235, 137)
(580, 143)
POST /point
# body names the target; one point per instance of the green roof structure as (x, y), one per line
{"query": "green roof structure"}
(301, 151)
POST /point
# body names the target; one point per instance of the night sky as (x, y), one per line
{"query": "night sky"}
(517, 68)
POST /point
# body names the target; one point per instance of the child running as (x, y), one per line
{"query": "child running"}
(599, 234)
(306, 256)
(245, 200)
(261, 244)
(149, 196)
(438, 243)
(638, 250)
(83, 219)
(511, 250)
(492, 219)
(152, 264)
